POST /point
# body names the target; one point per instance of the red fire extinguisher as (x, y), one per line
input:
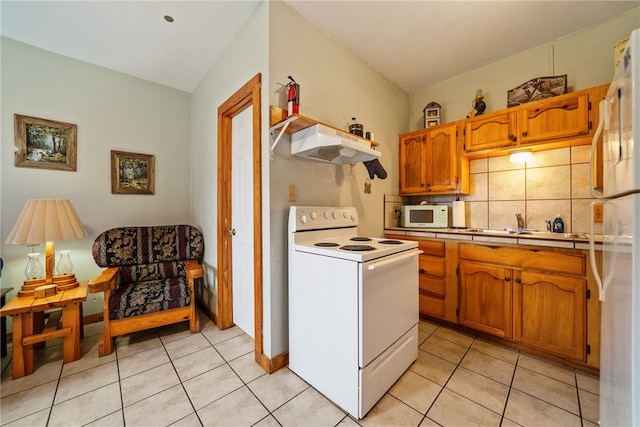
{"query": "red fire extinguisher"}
(293, 97)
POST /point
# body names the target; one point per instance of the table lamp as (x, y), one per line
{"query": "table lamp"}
(47, 220)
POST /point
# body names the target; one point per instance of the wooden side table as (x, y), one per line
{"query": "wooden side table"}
(23, 310)
(3, 322)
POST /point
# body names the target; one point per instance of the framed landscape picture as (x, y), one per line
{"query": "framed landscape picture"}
(45, 144)
(132, 173)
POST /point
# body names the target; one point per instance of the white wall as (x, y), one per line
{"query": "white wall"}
(242, 60)
(113, 111)
(334, 86)
(585, 56)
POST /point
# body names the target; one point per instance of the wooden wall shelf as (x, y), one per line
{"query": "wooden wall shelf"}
(278, 118)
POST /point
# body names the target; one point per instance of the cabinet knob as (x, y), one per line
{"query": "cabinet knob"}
(422, 271)
(507, 279)
(524, 133)
(518, 280)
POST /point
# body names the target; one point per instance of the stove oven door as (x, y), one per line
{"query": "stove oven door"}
(388, 302)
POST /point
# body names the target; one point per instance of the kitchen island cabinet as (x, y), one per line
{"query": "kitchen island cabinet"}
(431, 161)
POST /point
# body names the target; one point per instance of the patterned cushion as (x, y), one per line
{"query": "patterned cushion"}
(151, 261)
(147, 245)
(149, 297)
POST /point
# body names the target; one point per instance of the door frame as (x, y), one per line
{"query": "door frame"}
(247, 95)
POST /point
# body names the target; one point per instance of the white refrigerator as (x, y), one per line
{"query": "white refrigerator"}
(620, 293)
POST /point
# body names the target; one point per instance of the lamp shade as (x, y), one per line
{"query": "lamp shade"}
(46, 220)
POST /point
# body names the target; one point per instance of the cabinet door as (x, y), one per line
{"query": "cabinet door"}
(565, 116)
(494, 130)
(550, 313)
(486, 298)
(413, 164)
(441, 158)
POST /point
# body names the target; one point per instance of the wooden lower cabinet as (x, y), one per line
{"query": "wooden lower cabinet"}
(486, 298)
(531, 296)
(438, 282)
(538, 299)
(551, 313)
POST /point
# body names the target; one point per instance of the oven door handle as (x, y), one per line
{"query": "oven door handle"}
(394, 259)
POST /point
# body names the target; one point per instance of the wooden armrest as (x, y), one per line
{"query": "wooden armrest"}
(106, 280)
(194, 269)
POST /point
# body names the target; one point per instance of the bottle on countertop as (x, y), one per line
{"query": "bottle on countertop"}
(355, 127)
(558, 224)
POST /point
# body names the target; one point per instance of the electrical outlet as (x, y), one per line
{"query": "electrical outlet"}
(597, 213)
(293, 196)
(394, 212)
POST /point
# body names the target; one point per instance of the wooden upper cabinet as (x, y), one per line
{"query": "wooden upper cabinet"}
(441, 158)
(564, 116)
(413, 162)
(557, 122)
(431, 162)
(494, 130)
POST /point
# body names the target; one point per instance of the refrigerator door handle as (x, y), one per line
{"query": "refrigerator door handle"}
(592, 254)
(594, 144)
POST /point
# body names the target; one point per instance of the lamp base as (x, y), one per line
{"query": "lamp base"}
(30, 285)
(65, 281)
(44, 291)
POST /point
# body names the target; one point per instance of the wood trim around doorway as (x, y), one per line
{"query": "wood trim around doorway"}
(247, 95)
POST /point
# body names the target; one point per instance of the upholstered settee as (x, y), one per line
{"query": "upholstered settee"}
(148, 279)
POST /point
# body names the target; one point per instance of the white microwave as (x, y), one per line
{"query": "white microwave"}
(424, 216)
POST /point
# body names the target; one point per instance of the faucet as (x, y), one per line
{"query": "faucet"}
(548, 225)
(520, 221)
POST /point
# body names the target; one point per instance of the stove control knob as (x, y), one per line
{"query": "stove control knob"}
(345, 215)
(326, 214)
(313, 215)
(303, 218)
(353, 217)
(334, 214)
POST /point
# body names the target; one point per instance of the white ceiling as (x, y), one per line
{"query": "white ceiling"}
(412, 43)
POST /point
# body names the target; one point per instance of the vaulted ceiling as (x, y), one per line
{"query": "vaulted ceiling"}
(412, 43)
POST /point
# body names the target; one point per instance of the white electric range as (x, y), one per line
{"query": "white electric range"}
(353, 306)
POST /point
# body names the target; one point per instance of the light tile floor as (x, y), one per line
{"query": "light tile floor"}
(171, 377)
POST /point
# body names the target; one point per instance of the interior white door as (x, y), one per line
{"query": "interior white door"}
(242, 220)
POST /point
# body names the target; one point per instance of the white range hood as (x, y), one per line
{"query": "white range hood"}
(326, 144)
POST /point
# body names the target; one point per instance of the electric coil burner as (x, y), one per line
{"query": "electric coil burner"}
(370, 287)
(326, 244)
(357, 248)
(390, 242)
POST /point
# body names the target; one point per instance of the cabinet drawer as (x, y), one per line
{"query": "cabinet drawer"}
(431, 247)
(431, 306)
(561, 262)
(431, 266)
(431, 285)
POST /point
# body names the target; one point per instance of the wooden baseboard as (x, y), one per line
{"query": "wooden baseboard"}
(272, 365)
(212, 316)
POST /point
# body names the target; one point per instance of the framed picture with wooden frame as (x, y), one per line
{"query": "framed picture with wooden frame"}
(45, 144)
(132, 173)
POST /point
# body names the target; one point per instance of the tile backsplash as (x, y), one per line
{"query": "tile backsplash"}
(555, 182)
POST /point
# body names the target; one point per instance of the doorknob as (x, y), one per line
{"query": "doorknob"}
(232, 232)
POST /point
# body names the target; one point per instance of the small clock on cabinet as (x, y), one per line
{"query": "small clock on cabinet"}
(432, 114)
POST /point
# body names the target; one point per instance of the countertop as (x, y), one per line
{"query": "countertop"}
(557, 240)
